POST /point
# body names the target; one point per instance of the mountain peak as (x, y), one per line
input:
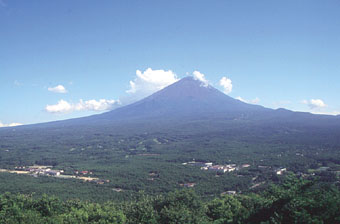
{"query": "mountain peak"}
(186, 87)
(187, 97)
(188, 78)
(193, 81)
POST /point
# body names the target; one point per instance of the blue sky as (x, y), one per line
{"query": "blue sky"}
(274, 53)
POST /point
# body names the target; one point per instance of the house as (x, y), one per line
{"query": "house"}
(188, 185)
(52, 172)
(280, 171)
(216, 168)
(263, 167)
(228, 192)
(99, 181)
(221, 168)
(117, 189)
(231, 169)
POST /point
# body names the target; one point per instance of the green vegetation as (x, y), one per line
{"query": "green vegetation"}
(150, 159)
(293, 201)
(128, 159)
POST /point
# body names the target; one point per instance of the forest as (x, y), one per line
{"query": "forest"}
(295, 200)
(152, 162)
(153, 174)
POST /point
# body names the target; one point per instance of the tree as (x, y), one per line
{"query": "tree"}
(227, 209)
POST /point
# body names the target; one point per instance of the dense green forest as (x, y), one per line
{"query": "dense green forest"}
(151, 177)
(128, 160)
(293, 201)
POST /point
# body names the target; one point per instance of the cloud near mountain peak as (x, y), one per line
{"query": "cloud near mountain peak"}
(90, 105)
(143, 84)
(227, 85)
(151, 81)
(201, 77)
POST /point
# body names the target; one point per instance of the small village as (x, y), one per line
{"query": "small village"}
(218, 168)
(230, 167)
(86, 176)
(226, 168)
(37, 171)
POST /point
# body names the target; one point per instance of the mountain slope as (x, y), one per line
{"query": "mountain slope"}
(183, 99)
(190, 100)
(189, 110)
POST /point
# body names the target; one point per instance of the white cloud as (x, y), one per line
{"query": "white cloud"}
(94, 105)
(57, 89)
(200, 76)
(253, 101)
(326, 112)
(61, 107)
(90, 105)
(9, 125)
(241, 99)
(314, 103)
(318, 106)
(150, 81)
(226, 84)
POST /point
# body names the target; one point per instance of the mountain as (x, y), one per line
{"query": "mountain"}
(183, 99)
(189, 106)
(190, 99)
